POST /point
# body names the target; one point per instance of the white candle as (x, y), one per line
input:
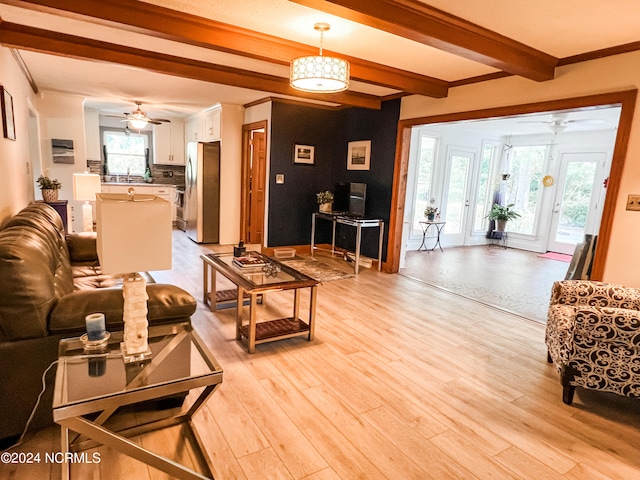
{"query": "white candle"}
(95, 326)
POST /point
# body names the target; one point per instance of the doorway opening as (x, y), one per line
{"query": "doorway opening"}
(554, 177)
(254, 175)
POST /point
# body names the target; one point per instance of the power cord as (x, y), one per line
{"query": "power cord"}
(33, 412)
(44, 387)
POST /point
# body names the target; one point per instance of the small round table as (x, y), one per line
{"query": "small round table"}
(425, 225)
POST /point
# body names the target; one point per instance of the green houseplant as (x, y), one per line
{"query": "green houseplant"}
(430, 212)
(49, 188)
(325, 200)
(501, 214)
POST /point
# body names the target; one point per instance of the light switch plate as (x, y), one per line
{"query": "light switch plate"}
(280, 178)
(633, 202)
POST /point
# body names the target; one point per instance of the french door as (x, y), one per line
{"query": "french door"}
(577, 207)
(457, 195)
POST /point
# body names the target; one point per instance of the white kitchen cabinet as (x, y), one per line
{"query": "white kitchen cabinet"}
(211, 125)
(168, 143)
(193, 129)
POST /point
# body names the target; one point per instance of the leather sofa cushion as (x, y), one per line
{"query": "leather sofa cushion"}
(86, 278)
(166, 303)
(82, 247)
(33, 276)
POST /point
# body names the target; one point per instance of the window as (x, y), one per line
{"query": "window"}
(424, 178)
(483, 193)
(126, 153)
(523, 186)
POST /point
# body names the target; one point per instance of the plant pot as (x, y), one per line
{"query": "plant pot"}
(49, 195)
(431, 217)
(501, 225)
(326, 207)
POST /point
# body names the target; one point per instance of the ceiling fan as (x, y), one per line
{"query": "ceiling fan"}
(139, 119)
(559, 122)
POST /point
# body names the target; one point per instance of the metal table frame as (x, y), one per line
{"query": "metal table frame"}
(358, 223)
(426, 224)
(266, 331)
(71, 415)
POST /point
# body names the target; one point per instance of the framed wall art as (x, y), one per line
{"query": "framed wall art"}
(304, 154)
(62, 151)
(8, 121)
(358, 156)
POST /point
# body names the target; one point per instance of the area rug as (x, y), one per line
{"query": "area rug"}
(557, 256)
(317, 269)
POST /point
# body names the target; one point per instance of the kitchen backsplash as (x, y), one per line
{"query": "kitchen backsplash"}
(162, 174)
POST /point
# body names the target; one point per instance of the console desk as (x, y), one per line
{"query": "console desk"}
(358, 223)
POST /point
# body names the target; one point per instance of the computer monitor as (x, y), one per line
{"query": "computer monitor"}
(350, 198)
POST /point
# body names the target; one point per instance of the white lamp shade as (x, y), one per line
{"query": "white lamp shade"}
(133, 236)
(85, 186)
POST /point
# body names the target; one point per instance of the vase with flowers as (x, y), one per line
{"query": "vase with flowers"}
(325, 201)
(430, 212)
(49, 188)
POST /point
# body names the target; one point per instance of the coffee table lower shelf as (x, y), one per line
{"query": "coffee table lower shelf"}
(277, 329)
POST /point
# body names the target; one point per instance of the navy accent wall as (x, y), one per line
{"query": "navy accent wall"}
(292, 203)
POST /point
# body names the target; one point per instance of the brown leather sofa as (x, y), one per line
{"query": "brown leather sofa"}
(49, 282)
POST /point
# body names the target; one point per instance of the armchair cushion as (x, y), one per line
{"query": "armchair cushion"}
(593, 337)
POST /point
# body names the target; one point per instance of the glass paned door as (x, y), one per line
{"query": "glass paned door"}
(574, 210)
(456, 196)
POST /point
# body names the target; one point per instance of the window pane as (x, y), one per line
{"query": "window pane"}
(482, 195)
(457, 193)
(125, 153)
(576, 199)
(424, 179)
(523, 187)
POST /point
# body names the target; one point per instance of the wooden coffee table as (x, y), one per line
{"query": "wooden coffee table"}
(254, 283)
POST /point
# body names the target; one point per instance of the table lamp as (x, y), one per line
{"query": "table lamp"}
(85, 187)
(134, 235)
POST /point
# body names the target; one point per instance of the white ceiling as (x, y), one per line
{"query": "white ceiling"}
(559, 28)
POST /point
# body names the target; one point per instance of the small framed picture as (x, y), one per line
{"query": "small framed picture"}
(8, 122)
(358, 156)
(304, 154)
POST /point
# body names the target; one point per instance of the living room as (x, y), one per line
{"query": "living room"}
(483, 397)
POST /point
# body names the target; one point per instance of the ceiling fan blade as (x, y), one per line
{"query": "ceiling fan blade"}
(160, 120)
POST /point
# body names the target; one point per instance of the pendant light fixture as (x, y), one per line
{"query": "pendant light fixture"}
(318, 73)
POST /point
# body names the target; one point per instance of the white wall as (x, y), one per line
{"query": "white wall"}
(610, 74)
(62, 117)
(16, 190)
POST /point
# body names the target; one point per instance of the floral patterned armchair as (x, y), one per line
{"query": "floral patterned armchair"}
(593, 337)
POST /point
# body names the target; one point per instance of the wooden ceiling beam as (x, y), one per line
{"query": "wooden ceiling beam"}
(422, 23)
(53, 43)
(160, 22)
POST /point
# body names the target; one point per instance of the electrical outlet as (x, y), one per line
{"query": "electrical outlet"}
(633, 202)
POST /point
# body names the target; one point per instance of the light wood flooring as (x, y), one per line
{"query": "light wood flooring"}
(515, 280)
(403, 381)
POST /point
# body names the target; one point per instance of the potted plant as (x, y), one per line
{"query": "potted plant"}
(430, 212)
(49, 188)
(325, 200)
(502, 213)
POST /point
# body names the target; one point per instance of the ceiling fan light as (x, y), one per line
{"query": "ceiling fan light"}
(317, 73)
(137, 123)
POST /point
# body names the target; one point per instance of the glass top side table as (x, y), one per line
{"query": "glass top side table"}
(89, 389)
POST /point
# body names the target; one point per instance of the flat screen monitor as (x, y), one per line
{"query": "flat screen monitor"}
(350, 198)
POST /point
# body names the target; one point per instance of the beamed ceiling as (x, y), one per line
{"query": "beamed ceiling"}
(180, 56)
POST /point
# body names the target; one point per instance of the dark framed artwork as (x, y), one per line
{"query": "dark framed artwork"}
(304, 154)
(62, 151)
(358, 156)
(8, 121)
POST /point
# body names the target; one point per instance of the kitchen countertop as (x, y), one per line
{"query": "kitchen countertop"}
(141, 184)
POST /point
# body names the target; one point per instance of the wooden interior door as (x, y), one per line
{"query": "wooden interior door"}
(257, 179)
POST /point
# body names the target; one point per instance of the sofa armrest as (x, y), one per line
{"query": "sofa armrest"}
(596, 294)
(609, 325)
(82, 247)
(166, 303)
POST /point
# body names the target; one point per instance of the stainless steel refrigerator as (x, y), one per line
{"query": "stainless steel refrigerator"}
(202, 192)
